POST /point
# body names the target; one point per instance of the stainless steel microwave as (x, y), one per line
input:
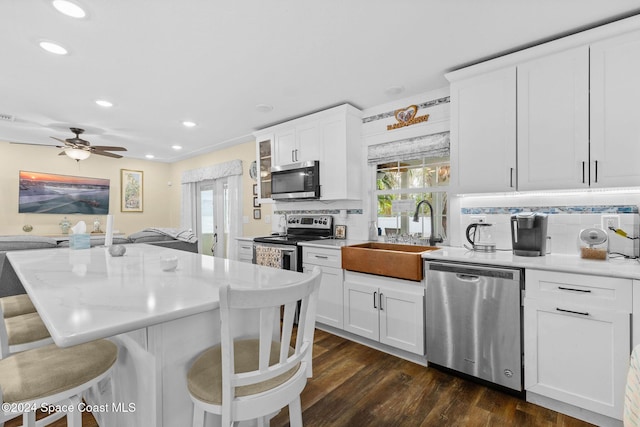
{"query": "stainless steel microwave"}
(296, 181)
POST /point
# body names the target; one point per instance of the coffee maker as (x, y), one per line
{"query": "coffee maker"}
(529, 233)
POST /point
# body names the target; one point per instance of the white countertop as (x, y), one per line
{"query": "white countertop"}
(87, 294)
(614, 267)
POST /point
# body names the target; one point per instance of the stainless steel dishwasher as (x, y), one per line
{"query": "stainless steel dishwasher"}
(473, 321)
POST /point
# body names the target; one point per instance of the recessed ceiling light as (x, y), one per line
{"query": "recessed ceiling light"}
(177, 147)
(264, 108)
(69, 8)
(188, 124)
(394, 90)
(149, 156)
(53, 48)
(104, 103)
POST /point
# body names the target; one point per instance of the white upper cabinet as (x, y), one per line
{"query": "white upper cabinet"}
(565, 110)
(284, 147)
(333, 137)
(483, 131)
(615, 125)
(553, 121)
(298, 144)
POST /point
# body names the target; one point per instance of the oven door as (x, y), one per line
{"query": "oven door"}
(284, 257)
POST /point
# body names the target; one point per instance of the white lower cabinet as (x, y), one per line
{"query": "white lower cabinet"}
(577, 339)
(385, 309)
(329, 309)
(245, 250)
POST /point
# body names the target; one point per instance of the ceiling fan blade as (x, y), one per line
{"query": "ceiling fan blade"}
(32, 143)
(62, 153)
(105, 153)
(108, 148)
(61, 140)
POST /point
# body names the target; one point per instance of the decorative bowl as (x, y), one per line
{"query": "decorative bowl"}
(169, 262)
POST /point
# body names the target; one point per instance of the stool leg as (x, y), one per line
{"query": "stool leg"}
(198, 416)
(295, 413)
(29, 419)
(74, 419)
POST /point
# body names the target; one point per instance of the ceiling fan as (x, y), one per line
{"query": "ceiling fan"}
(80, 149)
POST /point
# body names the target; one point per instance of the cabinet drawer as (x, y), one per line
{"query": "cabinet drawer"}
(320, 256)
(603, 292)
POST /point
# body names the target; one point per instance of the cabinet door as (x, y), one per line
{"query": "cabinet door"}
(615, 128)
(334, 167)
(330, 307)
(483, 131)
(580, 358)
(264, 150)
(284, 147)
(553, 121)
(361, 310)
(402, 319)
(308, 145)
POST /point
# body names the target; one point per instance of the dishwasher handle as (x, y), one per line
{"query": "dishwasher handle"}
(475, 270)
(468, 277)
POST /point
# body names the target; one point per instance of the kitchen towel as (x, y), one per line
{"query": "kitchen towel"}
(632, 391)
(269, 256)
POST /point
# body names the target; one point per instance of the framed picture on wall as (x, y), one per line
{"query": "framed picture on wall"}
(131, 195)
(255, 189)
(256, 214)
(256, 204)
(340, 232)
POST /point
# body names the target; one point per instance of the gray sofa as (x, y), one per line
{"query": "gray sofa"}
(10, 283)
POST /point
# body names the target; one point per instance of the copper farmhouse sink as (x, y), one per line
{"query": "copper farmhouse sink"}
(386, 259)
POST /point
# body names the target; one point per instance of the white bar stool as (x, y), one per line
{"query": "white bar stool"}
(253, 378)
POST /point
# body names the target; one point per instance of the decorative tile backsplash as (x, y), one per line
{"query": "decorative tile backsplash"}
(565, 224)
(552, 210)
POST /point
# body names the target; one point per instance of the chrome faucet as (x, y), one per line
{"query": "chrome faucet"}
(432, 238)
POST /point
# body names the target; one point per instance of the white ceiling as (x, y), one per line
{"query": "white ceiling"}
(164, 61)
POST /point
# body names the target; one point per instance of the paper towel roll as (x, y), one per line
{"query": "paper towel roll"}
(108, 238)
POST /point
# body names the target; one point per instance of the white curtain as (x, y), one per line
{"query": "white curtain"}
(434, 145)
(233, 172)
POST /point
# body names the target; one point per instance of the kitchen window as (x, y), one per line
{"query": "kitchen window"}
(411, 170)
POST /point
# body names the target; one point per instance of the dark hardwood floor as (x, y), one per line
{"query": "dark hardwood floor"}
(354, 385)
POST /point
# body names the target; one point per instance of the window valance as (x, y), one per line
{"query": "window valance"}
(430, 146)
(234, 167)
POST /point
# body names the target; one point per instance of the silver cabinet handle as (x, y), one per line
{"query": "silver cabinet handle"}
(292, 158)
(581, 313)
(583, 177)
(596, 177)
(374, 300)
(381, 294)
(321, 256)
(586, 291)
(511, 177)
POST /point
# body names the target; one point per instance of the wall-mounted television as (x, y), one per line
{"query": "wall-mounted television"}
(49, 193)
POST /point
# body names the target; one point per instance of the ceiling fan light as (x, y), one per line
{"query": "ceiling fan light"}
(68, 8)
(77, 154)
(188, 124)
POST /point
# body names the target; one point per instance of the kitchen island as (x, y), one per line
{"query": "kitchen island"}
(161, 320)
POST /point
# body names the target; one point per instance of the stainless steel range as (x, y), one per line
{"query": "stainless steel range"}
(286, 252)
